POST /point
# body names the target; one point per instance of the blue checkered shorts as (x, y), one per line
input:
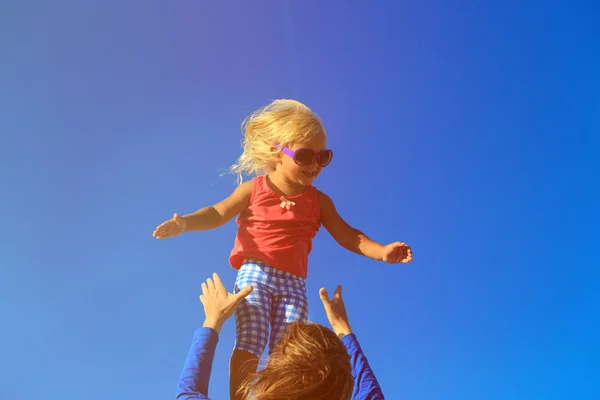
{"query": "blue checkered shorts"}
(278, 298)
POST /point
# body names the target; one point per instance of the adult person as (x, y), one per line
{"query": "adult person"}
(310, 361)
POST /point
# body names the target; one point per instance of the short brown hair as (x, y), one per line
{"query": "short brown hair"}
(308, 362)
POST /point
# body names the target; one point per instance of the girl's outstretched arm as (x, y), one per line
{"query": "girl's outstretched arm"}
(214, 216)
(356, 241)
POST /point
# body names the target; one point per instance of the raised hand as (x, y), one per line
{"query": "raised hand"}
(336, 311)
(218, 303)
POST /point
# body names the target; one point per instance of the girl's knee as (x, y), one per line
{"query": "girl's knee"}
(250, 346)
(243, 357)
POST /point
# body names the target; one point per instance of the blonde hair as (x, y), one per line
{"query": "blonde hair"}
(285, 122)
(308, 362)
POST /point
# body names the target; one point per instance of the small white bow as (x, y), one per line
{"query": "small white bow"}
(285, 203)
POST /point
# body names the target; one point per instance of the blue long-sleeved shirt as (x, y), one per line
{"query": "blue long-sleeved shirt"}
(193, 382)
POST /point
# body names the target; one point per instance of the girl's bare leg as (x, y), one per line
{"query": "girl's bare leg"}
(241, 365)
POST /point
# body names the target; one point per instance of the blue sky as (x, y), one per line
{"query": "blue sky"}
(467, 129)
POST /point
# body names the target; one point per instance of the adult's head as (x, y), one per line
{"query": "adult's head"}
(309, 362)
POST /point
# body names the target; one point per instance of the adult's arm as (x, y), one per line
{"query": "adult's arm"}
(194, 378)
(366, 386)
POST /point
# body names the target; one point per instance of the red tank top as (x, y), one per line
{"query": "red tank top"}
(277, 231)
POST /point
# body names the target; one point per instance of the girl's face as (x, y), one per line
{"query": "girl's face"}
(306, 174)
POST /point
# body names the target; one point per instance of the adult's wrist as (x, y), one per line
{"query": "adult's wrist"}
(213, 323)
(341, 332)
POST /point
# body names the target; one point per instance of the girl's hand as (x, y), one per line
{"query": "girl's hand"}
(173, 227)
(397, 252)
(218, 303)
(336, 311)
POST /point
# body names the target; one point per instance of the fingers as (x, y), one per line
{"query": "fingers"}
(338, 292)
(243, 293)
(408, 255)
(177, 219)
(399, 252)
(217, 281)
(211, 286)
(215, 285)
(324, 296)
(326, 303)
(402, 253)
(163, 230)
(336, 311)
(159, 231)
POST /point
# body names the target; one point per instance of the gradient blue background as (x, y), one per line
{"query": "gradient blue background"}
(468, 129)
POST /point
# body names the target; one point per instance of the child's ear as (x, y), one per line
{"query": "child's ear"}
(277, 154)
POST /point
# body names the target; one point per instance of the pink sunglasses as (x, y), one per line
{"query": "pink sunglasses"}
(304, 157)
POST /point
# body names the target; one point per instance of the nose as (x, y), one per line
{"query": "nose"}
(314, 163)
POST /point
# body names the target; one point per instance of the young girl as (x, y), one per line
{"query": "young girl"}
(280, 212)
